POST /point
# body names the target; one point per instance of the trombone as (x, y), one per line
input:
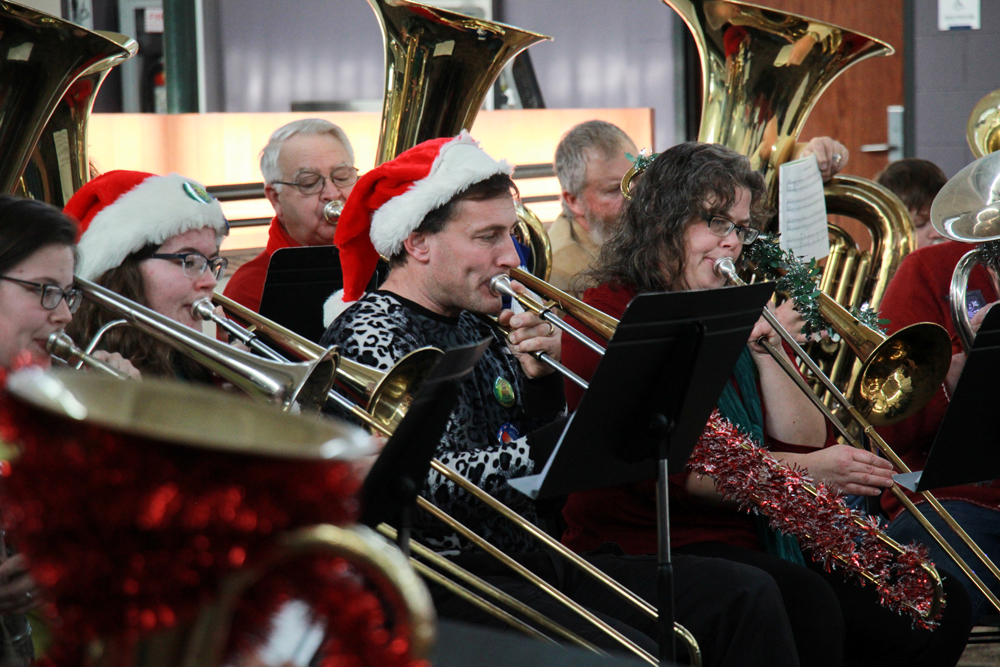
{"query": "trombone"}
(282, 383)
(727, 269)
(62, 347)
(604, 326)
(300, 346)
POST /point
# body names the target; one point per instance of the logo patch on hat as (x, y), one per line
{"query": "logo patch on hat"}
(197, 193)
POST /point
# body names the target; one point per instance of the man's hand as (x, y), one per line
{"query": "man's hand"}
(19, 593)
(830, 154)
(529, 334)
(848, 469)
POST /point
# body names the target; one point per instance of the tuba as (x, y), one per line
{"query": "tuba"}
(762, 73)
(42, 57)
(984, 122)
(119, 589)
(60, 165)
(439, 67)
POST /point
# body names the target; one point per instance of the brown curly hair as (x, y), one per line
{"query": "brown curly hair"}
(682, 186)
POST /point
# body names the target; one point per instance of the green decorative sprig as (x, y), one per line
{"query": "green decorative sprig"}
(643, 159)
(800, 281)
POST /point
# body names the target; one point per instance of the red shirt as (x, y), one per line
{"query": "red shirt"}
(626, 514)
(919, 292)
(246, 286)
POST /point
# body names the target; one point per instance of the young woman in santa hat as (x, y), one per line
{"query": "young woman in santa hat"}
(154, 240)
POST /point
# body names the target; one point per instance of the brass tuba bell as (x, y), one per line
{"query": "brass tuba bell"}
(41, 56)
(762, 73)
(59, 164)
(439, 67)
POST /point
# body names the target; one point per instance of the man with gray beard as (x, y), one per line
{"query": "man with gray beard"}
(589, 163)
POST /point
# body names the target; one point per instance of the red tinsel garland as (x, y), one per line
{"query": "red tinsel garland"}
(131, 536)
(815, 515)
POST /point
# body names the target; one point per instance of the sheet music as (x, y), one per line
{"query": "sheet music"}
(802, 209)
(529, 485)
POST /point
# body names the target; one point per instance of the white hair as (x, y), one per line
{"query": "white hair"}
(316, 126)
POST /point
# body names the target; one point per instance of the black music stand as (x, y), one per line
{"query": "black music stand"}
(648, 403)
(298, 283)
(390, 490)
(966, 449)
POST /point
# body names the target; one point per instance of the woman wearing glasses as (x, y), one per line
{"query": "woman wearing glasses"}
(154, 240)
(695, 204)
(36, 278)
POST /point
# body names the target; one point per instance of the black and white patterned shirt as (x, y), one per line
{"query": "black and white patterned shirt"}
(381, 328)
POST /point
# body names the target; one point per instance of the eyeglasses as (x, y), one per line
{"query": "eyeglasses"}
(722, 227)
(193, 264)
(52, 294)
(311, 183)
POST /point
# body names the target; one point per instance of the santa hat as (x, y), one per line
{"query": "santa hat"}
(391, 200)
(121, 212)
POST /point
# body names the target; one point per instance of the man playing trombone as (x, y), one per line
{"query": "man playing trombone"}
(442, 213)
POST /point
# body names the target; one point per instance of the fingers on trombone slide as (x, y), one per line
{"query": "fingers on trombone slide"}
(117, 362)
(850, 470)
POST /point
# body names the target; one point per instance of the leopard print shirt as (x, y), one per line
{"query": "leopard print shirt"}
(381, 328)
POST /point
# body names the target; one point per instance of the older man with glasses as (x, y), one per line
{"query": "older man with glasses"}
(307, 164)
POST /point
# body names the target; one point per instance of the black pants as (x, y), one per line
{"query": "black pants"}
(839, 622)
(735, 612)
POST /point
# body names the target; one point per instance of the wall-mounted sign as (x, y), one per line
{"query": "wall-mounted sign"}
(958, 14)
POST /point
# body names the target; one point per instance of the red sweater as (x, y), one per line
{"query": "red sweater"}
(246, 286)
(919, 292)
(626, 514)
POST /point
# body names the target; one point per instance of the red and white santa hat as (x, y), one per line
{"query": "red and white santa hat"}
(391, 200)
(121, 212)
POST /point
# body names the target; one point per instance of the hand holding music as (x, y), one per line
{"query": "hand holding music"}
(529, 334)
(831, 155)
(847, 469)
(118, 362)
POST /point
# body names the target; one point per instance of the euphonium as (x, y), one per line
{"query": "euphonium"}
(43, 56)
(967, 209)
(59, 165)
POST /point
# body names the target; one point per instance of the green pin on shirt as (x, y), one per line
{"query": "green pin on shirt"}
(503, 392)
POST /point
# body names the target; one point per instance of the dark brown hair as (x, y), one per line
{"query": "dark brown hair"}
(497, 185)
(146, 353)
(916, 182)
(27, 226)
(681, 187)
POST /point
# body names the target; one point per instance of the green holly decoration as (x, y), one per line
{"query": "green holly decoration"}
(800, 281)
(643, 159)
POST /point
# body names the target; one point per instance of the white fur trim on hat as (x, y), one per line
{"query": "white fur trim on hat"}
(459, 164)
(334, 306)
(151, 212)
